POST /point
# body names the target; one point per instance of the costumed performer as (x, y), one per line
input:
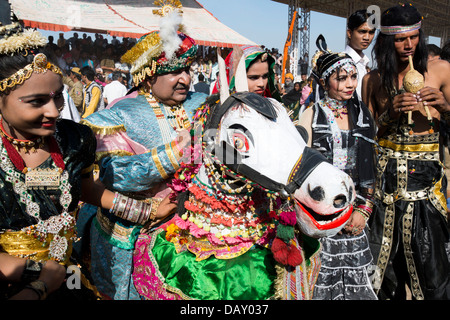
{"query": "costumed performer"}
(343, 129)
(409, 228)
(140, 142)
(45, 169)
(260, 71)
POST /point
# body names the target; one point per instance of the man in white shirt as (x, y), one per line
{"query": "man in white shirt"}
(115, 89)
(359, 38)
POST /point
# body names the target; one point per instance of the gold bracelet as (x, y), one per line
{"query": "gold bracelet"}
(155, 205)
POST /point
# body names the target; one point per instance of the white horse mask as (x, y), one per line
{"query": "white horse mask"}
(263, 144)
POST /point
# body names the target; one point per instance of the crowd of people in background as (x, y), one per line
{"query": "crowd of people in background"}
(100, 59)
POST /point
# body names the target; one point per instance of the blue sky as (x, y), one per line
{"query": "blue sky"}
(266, 22)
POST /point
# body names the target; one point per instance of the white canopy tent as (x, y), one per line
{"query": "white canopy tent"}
(122, 18)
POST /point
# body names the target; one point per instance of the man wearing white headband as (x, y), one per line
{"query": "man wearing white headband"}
(409, 222)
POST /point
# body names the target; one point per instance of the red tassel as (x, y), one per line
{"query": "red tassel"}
(280, 251)
(288, 218)
(286, 255)
(295, 257)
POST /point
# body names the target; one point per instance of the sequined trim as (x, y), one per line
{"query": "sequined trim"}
(121, 153)
(407, 235)
(158, 274)
(118, 234)
(104, 130)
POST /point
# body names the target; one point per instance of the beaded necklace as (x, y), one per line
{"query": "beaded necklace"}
(27, 145)
(338, 107)
(174, 120)
(329, 106)
(55, 224)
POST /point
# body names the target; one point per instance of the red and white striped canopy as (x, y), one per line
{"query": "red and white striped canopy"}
(122, 18)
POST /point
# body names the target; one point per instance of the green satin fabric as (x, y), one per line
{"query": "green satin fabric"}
(248, 277)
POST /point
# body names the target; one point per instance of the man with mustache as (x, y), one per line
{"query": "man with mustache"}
(140, 140)
(408, 230)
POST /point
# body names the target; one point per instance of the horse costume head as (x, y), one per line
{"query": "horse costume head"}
(257, 181)
(256, 138)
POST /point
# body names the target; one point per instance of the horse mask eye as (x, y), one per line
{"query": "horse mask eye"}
(240, 138)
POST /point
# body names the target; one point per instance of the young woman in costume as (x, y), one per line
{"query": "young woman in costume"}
(260, 75)
(342, 129)
(45, 170)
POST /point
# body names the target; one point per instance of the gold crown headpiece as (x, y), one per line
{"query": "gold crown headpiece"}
(16, 40)
(167, 6)
(161, 51)
(40, 64)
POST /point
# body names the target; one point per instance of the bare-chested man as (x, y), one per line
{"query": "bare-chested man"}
(409, 224)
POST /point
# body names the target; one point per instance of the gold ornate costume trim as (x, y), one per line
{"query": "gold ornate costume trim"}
(104, 130)
(158, 164)
(88, 169)
(409, 148)
(23, 245)
(113, 229)
(121, 153)
(171, 156)
(407, 235)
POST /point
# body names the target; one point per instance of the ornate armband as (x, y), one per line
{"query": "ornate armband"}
(39, 287)
(31, 271)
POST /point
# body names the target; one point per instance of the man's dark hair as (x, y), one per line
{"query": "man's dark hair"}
(445, 52)
(384, 48)
(357, 18)
(434, 50)
(116, 75)
(78, 76)
(201, 77)
(88, 72)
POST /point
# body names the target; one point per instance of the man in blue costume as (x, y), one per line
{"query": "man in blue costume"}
(140, 142)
